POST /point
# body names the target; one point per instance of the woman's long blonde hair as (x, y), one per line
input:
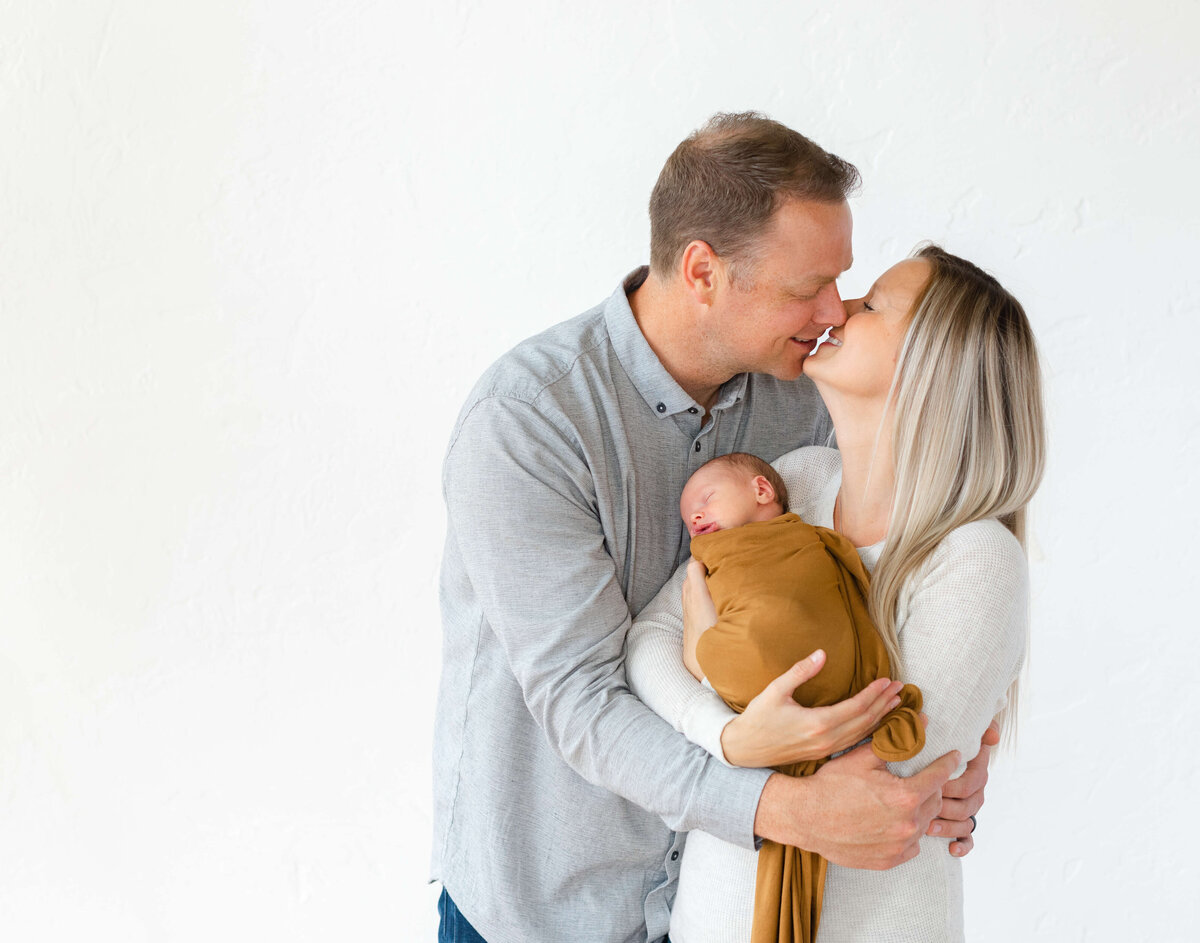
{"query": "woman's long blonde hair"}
(968, 433)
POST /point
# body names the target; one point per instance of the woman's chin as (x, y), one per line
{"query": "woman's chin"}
(815, 363)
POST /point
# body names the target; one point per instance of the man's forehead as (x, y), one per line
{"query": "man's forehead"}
(813, 240)
(830, 274)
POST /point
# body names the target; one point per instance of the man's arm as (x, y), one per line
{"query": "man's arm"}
(523, 515)
(853, 811)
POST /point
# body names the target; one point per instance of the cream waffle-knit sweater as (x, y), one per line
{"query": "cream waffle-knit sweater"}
(963, 626)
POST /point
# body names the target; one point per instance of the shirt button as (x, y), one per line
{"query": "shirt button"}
(674, 856)
(697, 446)
(693, 410)
(661, 407)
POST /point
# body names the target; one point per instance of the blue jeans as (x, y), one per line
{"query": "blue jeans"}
(454, 927)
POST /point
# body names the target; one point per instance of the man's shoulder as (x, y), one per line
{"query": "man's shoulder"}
(538, 363)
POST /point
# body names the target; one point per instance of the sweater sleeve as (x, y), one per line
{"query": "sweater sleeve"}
(963, 626)
(655, 671)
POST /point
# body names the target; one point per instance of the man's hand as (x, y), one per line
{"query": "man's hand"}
(853, 811)
(963, 798)
(775, 730)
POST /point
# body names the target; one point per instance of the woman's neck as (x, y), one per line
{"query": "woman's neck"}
(865, 442)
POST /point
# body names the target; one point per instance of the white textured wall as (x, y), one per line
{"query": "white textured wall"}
(252, 256)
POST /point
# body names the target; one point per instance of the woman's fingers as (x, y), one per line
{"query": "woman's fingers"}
(801, 671)
(774, 729)
(852, 719)
(699, 611)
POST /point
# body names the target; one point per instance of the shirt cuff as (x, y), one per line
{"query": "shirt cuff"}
(729, 803)
(704, 722)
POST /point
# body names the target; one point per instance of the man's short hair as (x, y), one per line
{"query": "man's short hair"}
(725, 181)
(753, 465)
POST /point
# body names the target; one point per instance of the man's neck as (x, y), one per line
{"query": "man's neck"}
(673, 333)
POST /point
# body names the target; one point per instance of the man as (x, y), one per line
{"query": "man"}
(552, 782)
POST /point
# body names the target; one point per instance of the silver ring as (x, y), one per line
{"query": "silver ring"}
(973, 824)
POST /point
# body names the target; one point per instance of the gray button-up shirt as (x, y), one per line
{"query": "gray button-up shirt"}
(552, 783)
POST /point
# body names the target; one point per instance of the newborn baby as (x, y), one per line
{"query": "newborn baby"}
(783, 588)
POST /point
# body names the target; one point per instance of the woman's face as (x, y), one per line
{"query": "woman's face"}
(859, 358)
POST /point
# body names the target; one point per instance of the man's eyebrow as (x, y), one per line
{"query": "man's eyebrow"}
(811, 285)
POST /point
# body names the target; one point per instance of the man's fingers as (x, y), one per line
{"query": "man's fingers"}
(862, 758)
(991, 736)
(954, 820)
(942, 827)
(936, 774)
(962, 846)
(961, 809)
(972, 780)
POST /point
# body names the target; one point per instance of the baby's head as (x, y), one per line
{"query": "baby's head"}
(729, 491)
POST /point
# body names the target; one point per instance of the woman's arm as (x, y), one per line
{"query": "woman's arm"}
(656, 673)
(962, 636)
(774, 730)
(699, 614)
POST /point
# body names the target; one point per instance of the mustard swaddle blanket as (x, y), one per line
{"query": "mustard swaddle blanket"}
(782, 589)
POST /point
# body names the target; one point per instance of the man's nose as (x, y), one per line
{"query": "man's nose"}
(831, 311)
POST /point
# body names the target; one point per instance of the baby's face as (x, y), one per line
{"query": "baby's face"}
(718, 497)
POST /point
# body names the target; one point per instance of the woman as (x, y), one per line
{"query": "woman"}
(935, 395)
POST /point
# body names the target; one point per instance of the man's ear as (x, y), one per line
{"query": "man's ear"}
(764, 491)
(702, 271)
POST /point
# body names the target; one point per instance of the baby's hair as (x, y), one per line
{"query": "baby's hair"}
(753, 465)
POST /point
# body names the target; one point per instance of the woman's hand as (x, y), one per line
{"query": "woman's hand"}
(699, 614)
(774, 730)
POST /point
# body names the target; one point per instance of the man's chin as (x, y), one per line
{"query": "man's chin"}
(803, 349)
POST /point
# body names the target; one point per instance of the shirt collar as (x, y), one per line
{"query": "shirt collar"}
(657, 387)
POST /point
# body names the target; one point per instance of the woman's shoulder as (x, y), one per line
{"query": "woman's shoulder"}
(984, 552)
(812, 475)
(987, 537)
(809, 466)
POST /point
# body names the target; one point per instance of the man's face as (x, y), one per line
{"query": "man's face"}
(787, 296)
